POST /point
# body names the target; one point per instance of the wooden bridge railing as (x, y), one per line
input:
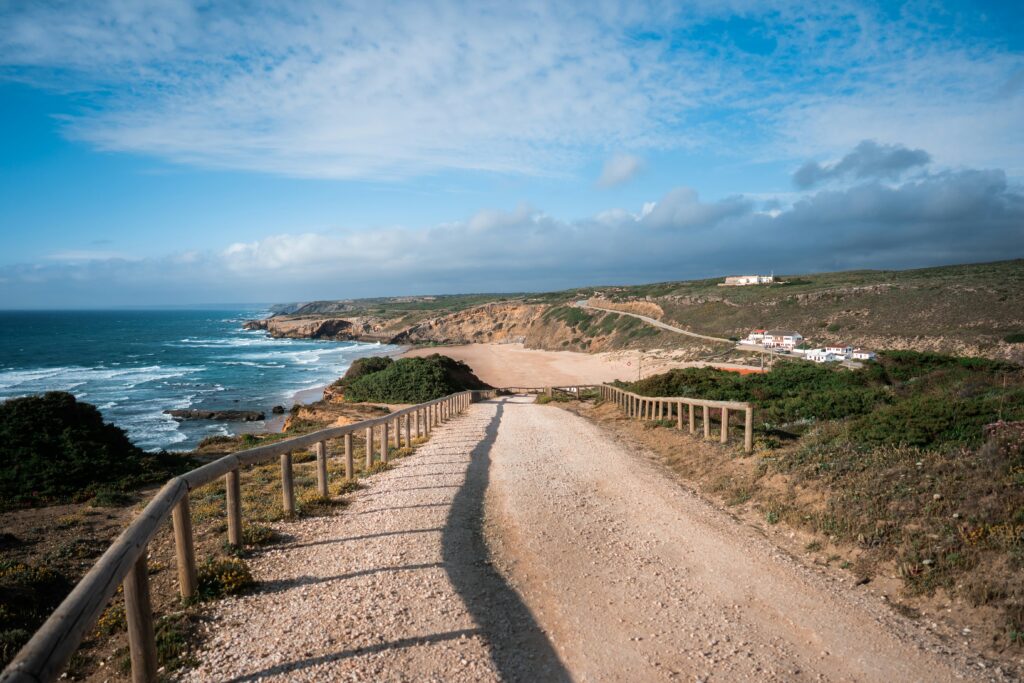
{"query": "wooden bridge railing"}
(662, 408)
(124, 563)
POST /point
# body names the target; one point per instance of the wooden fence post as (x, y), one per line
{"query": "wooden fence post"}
(184, 548)
(139, 615)
(693, 419)
(383, 441)
(408, 430)
(748, 430)
(321, 469)
(369, 447)
(679, 416)
(233, 486)
(397, 426)
(348, 456)
(707, 422)
(725, 425)
(287, 485)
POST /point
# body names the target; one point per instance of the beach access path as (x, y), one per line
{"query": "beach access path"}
(656, 323)
(525, 543)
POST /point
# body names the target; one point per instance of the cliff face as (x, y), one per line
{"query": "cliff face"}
(494, 323)
(341, 329)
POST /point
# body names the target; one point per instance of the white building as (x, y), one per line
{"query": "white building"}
(740, 280)
(844, 350)
(782, 339)
(755, 337)
(822, 356)
(863, 354)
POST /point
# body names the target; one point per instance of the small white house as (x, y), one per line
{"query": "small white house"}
(740, 280)
(822, 356)
(755, 337)
(782, 339)
(863, 354)
(844, 350)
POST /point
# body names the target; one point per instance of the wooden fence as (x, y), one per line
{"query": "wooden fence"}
(665, 408)
(124, 563)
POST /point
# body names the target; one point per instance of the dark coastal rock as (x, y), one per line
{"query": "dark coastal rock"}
(225, 415)
(277, 410)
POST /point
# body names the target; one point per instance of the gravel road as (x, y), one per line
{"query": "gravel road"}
(525, 543)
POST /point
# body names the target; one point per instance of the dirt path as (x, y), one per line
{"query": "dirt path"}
(657, 323)
(524, 543)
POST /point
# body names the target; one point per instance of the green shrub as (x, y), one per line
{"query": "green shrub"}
(918, 399)
(28, 593)
(414, 380)
(220, 576)
(360, 368)
(1015, 338)
(58, 449)
(258, 535)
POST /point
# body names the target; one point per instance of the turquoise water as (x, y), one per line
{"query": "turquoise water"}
(133, 365)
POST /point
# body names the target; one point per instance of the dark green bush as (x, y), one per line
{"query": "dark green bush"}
(54, 448)
(414, 380)
(360, 368)
(917, 399)
(1015, 338)
(28, 593)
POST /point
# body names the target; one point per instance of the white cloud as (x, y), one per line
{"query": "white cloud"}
(619, 169)
(387, 90)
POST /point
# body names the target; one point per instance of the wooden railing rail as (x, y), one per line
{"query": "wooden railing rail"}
(667, 407)
(46, 654)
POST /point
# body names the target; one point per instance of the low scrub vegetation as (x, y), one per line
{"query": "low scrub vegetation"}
(407, 380)
(58, 449)
(916, 461)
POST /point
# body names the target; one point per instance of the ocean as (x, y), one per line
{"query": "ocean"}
(133, 365)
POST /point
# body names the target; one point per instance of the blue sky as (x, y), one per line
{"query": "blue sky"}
(187, 152)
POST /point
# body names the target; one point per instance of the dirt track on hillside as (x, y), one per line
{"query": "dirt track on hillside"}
(525, 543)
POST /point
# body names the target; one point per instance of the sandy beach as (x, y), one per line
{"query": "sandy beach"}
(509, 365)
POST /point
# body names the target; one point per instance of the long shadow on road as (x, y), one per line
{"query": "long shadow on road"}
(519, 648)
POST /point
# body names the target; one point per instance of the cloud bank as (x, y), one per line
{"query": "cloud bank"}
(933, 218)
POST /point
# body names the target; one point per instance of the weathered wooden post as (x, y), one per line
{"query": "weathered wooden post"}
(693, 419)
(287, 485)
(384, 441)
(397, 426)
(748, 430)
(679, 416)
(184, 548)
(348, 456)
(369, 447)
(408, 430)
(707, 421)
(233, 486)
(725, 425)
(321, 469)
(139, 615)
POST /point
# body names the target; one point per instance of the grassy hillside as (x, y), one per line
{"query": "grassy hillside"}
(971, 310)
